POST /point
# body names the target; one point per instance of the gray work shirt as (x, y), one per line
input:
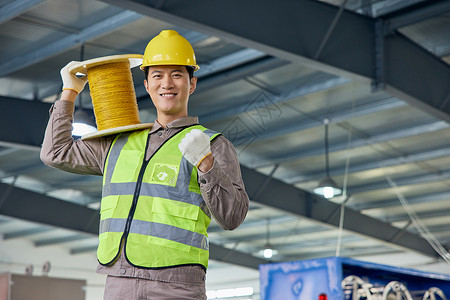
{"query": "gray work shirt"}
(222, 187)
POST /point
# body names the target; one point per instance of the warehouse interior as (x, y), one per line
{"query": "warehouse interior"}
(353, 90)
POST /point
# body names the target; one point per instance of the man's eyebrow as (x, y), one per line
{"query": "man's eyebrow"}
(173, 71)
(177, 70)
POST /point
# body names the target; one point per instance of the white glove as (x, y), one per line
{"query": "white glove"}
(195, 146)
(71, 81)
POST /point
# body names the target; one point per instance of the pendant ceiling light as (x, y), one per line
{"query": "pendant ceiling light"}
(327, 187)
(83, 119)
(268, 250)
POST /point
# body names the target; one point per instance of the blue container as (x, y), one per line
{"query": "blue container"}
(306, 280)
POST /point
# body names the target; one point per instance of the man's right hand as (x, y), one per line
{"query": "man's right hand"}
(71, 81)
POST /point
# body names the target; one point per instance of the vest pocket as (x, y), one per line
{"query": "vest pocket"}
(175, 213)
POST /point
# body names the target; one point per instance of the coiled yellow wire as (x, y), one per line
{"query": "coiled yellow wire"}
(113, 95)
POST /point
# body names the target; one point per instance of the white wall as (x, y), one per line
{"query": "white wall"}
(17, 254)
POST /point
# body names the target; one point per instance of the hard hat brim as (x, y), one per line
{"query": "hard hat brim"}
(142, 67)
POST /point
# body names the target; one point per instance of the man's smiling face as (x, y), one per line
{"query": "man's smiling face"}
(170, 87)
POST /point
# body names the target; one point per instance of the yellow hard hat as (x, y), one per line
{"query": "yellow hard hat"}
(169, 48)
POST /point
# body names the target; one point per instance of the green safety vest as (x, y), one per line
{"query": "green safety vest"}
(154, 206)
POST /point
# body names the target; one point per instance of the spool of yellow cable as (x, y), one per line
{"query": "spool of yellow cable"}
(112, 93)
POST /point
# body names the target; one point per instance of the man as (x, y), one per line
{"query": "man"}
(161, 185)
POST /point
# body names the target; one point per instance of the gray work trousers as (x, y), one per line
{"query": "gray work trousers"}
(131, 288)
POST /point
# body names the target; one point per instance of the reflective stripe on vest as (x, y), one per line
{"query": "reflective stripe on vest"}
(169, 225)
(164, 231)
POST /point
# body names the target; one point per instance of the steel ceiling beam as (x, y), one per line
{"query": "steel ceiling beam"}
(245, 70)
(296, 32)
(42, 208)
(290, 246)
(397, 161)
(235, 257)
(411, 15)
(60, 240)
(353, 252)
(261, 237)
(46, 210)
(105, 26)
(440, 231)
(403, 181)
(304, 204)
(259, 223)
(383, 7)
(357, 141)
(426, 198)
(295, 125)
(423, 216)
(412, 158)
(23, 170)
(229, 61)
(316, 82)
(25, 232)
(63, 214)
(36, 113)
(16, 8)
(21, 133)
(84, 249)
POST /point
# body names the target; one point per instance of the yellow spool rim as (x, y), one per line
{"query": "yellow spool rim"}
(81, 67)
(116, 130)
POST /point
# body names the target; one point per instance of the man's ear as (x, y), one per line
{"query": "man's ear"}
(146, 85)
(193, 85)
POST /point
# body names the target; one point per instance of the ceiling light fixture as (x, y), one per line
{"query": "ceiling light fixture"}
(269, 250)
(83, 120)
(327, 187)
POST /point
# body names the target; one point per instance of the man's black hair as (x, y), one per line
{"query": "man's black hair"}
(189, 69)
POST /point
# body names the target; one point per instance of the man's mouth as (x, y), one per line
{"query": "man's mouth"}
(168, 95)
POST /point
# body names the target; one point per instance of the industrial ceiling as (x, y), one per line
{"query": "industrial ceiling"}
(272, 75)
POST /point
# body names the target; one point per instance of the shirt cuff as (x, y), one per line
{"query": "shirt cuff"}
(209, 176)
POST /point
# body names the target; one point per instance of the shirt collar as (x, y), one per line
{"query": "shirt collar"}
(181, 122)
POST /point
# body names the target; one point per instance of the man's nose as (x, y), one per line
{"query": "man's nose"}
(167, 82)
